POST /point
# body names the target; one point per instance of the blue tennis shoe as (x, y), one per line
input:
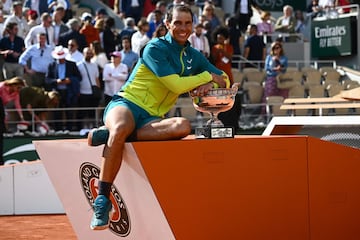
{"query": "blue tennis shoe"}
(102, 213)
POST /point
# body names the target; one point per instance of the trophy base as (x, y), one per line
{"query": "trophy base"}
(214, 132)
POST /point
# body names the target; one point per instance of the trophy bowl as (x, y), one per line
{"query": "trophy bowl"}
(215, 101)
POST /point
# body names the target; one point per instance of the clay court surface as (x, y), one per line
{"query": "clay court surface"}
(38, 227)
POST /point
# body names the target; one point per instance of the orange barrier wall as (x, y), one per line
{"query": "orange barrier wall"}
(256, 188)
(248, 188)
(334, 189)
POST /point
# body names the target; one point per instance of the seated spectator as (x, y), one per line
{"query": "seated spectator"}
(32, 98)
(286, 24)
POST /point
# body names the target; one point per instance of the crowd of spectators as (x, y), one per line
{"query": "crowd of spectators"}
(32, 32)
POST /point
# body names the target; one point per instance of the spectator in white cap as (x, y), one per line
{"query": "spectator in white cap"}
(114, 76)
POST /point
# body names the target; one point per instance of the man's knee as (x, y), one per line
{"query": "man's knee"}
(118, 134)
(182, 126)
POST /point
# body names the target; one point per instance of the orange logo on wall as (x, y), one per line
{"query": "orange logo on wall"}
(120, 221)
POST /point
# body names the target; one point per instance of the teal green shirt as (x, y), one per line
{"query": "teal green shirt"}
(164, 71)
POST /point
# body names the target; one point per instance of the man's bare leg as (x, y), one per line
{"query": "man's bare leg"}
(165, 129)
(120, 124)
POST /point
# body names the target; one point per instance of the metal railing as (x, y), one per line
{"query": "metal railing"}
(240, 61)
(13, 117)
(97, 112)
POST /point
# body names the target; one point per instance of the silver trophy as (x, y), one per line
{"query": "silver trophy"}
(215, 101)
